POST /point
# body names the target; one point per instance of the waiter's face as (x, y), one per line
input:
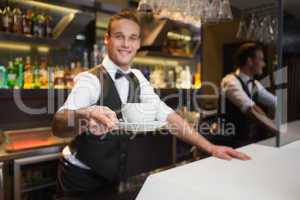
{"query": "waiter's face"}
(258, 63)
(123, 41)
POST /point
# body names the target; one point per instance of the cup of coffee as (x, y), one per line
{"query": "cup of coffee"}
(138, 112)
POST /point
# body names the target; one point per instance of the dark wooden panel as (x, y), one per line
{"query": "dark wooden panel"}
(149, 152)
(293, 63)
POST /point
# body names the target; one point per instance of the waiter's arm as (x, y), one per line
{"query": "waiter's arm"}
(79, 113)
(257, 114)
(181, 129)
(66, 122)
(97, 119)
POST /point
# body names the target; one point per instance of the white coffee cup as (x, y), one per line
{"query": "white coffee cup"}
(138, 112)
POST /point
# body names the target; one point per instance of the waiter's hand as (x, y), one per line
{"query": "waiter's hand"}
(101, 119)
(227, 153)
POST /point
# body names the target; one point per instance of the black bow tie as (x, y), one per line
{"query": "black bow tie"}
(251, 81)
(120, 74)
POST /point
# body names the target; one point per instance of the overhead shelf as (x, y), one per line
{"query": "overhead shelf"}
(20, 38)
(68, 22)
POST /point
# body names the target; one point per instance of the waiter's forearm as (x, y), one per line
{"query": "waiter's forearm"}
(181, 129)
(259, 116)
(68, 123)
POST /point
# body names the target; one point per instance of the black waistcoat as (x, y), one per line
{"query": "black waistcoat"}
(107, 155)
(246, 130)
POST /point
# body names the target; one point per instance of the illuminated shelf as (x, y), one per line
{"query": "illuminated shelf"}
(23, 40)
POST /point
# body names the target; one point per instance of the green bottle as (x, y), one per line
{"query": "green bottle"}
(3, 77)
(11, 75)
(20, 73)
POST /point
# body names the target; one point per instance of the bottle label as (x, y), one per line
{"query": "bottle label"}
(36, 29)
(6, 21)
(11, 77)
(1, 79)
(49, 31)
(26, 29)
(40, 31)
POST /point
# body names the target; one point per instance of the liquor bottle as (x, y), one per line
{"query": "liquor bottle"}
(3, 77)
(85, 59)
(59, 82)
(171, 78)
(48, 25)
(36, 76)
(1, 20)
(51, 76)
(197, 76)
(35, 24)
(43, 78)
(20, 77)
(27, 22)
(95, 56)
(68, 78)
(40, 25)
(17, 21)
(186, 78)
(7, 19)
(77, 69)
(11, 75)
(28, 74)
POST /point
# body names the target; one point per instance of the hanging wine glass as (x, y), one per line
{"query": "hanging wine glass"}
(251, 29)
(225, 12)
(242, 30)
(213, 14)
(259, 32)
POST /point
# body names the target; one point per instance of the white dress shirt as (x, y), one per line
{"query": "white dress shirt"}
(235, 93)
(87, 90)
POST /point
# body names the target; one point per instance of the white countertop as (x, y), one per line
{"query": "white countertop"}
(291, 132)
(272, 174)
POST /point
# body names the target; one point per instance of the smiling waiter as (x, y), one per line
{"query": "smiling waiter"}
(93, 161)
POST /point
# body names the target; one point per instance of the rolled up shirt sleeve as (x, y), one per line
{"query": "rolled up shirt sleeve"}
(235, 93)
(149, 96)
(265, 97)
(85, 92)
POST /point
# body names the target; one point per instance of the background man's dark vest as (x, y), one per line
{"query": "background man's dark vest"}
(246, 130)
(107, 155)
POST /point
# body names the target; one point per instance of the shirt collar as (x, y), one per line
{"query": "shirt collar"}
(245, 78)
(112, 68)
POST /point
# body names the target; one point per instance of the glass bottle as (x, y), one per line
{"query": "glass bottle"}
(85, 59)
(1, 20)
(197, 76)
(3, 77)
(27, 22)
(20, 76)
(35, 24)
(11, 75)
(48, 25)
(59, 78)
(7, 19)
(28, 74)
(36, 76)
(43, 78)
(17, 21)
(51, 76)
(68, 78)
(40, 25)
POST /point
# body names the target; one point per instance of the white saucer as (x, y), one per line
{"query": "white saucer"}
(141, 126)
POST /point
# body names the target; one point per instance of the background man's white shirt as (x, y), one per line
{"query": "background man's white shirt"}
(233, 90)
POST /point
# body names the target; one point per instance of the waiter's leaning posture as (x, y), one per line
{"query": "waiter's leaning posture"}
(92, 161)
(246, 99)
